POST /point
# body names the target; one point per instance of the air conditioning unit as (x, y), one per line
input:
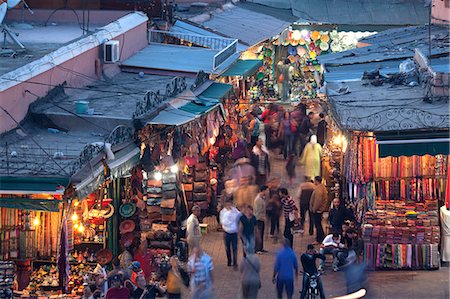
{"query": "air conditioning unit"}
(111, 51)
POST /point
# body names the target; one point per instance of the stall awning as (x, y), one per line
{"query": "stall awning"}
(47, 205)
(413, 144)
(243, 68)
(198, 107)
(91, 178)
(32, 185)
(216, 91)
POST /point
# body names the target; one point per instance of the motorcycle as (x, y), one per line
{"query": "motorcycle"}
(313, 286)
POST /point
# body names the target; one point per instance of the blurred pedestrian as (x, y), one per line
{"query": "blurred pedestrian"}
(250, 279)
(337, 215)
(273, 209)
(290, 168)
(285, 268)
(261, 162)
(290, 212)
(304, 194)
(259, 207)
(174, 281)
(117, 291)
(318, 205)
(200, 266)
(254, 128)
(322, 130)
(245, 193)
(247, 230)
(310, 158)
(286, 133)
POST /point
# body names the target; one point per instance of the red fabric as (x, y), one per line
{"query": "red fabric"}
(145, 260)
(118, 293)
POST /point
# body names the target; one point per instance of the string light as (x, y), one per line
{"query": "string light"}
(174, 168)
(74, 217)
(81, 228)
(158, 176)
(36, 221)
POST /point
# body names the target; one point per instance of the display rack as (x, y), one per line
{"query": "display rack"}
(7, 275)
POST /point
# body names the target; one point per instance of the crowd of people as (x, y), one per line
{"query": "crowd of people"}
(252, 201)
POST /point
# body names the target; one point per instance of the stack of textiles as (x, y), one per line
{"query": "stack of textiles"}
(401, 256)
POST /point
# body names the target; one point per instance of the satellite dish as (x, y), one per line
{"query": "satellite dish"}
(12, 3)
(3, 9)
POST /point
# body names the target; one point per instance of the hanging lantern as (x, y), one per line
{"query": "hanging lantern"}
(296, 35)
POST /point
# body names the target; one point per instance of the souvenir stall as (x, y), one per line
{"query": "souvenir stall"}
(290, 59)
(30, 219)
(399, 195)
(177, 159)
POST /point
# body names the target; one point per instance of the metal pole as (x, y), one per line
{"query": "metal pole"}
(429, 32)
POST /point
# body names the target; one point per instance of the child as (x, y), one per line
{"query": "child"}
(290, 168)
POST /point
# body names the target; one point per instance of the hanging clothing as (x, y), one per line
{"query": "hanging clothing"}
(311, 159)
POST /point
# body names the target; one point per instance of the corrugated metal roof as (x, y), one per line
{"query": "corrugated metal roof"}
(177, 58)
(187, 28)
(246, 25)
(354, 72)
(356, 12)
(392, 44)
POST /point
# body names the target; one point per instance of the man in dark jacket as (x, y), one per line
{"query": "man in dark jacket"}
(261, 163)
(304, 194)
(308, 260)
(337, 215)
(304, 129)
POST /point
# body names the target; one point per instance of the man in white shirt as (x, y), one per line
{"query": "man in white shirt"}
(259, 208)
(229, 218)
(193, 233)
(331, 244)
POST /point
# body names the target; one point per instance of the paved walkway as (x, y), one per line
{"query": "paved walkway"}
(383, 284)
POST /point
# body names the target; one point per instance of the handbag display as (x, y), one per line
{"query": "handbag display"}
(200, 187)
(153, 209)
(154, 190)
(188, 179)
(189, 196)
(169, 178)
(154, 183)
(204, 205)
(169, 194)
(200, 197)
(168, 203)
(188, 187)
(167, 211)
(201, 175)
(169, 187)
(200, 166)
(154, 201)
(169, 217)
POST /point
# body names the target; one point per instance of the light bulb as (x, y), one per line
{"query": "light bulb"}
(81, 228)
(212, 140)
(36, 221)
(76, 225)
(158, 176)
(76, 203)
(174, 168)
(74, 217)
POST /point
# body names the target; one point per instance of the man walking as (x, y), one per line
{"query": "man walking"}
(193, 233)
(304, 194)
(247, 231)
(260, 214)
(200, 266)
(318, 205)
(290, 212)
(260, 161)
(229, 218)
(285, 267)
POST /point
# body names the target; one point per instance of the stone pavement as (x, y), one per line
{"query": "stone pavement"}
(382, 284)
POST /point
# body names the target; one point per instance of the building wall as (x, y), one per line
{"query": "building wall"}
(441, 12)
(77, 71)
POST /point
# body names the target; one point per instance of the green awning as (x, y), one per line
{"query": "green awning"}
(198, 107)
(413, 143)
(216, 91)
(245, 68)
(47, 205)
(32, 185)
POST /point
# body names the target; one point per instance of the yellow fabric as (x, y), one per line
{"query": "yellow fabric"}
(173, 283)
(311, 159)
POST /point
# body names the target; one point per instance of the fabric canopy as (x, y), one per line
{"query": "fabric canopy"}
(405, 145)
(243, 68)
(47, 205)
(198, 107)
(32, 185)
(216, 91)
